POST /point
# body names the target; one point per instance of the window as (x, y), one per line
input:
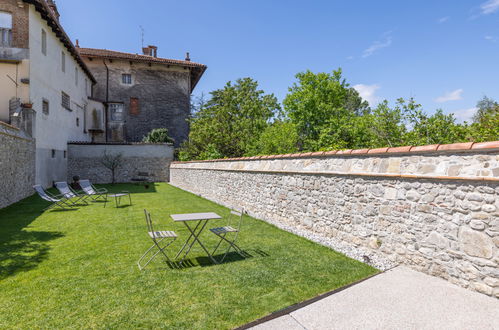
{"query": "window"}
(134, 106)
(65, 153)
(76, 76)
(126, 79)
(116, 110)
(53, 153)
(66, 101)
(44, 42)
(45, 106)
(63, 62)
(5, 29)
(77, 122)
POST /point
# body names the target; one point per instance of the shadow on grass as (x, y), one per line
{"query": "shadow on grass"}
(22, 250)
(137, 188)
(205, 261)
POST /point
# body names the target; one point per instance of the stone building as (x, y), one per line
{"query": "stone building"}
(142, 92)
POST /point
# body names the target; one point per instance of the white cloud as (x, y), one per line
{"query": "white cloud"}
(465, 114)
(489, 7)
(368, 92)
(450, 96)
(490, 38)
(350, 58)
(377, 45)
(443, 19)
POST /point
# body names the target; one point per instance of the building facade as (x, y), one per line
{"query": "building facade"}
(143, 92)
(46, 83)
(58, 92)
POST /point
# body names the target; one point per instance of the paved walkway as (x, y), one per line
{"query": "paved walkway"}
(397, 299)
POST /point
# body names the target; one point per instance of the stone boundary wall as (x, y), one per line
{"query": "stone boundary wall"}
(434, 208)
(141, 162)
(17, 165)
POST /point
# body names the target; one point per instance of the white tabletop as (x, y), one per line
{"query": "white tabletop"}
(195, 216)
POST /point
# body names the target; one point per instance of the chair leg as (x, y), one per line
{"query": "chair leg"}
(160, 249)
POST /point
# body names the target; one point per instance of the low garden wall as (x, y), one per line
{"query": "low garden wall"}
(139, 162)
(434, 208)
(17, 165)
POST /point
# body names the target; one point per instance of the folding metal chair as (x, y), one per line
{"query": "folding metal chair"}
(71, 195)
(222, 233)
(157, 237)
(91, 191)
(56, 200)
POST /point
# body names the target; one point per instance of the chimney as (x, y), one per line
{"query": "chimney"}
(150, 51)
(187, 58)
(53, 7)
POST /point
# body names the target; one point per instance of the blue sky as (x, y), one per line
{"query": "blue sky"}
(444, 53)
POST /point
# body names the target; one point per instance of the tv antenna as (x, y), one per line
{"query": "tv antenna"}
(142, 34)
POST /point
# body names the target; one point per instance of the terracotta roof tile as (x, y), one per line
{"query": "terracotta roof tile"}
(111, 54)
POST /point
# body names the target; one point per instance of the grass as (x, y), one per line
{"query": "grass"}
(78, 268)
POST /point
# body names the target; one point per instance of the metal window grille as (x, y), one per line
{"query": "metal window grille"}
(66, 101)
(126, 79)
(45, 107)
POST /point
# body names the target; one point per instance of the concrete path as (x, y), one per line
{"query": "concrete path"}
(397, 299)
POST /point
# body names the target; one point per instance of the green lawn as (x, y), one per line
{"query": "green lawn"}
(78, 268)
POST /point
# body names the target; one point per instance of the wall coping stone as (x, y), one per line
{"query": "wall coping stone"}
(432, 148)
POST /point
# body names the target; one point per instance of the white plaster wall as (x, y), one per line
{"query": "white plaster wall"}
(47, 81)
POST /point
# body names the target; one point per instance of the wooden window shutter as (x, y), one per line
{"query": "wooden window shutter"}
(134, 106)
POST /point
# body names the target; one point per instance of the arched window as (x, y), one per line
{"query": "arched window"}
(5, 29)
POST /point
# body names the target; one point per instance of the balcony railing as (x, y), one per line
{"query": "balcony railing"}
(5, 37)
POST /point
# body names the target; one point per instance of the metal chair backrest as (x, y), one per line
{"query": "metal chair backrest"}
(86, 186)
(38, 188)
(64, 189)
(233, 215)
(149, 221)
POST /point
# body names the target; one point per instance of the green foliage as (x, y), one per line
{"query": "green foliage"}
(158, 135)
(278, 138)
(322, 106)
(321, 112)
(438, 128)
(487, 129)
(484, 107)
(231, 121)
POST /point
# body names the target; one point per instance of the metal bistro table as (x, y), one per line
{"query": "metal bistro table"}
(117, 198)
(201, 219)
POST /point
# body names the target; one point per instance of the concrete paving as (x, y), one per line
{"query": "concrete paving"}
(400, 298)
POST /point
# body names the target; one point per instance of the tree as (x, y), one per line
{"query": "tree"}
(158, 135)
(386, 126)
(322, 106)
(112, 162)
(485, 106)
(438, 128)
(280, 137)
(231, 121)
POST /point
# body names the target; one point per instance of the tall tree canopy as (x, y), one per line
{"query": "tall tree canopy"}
(230, 122)
(322, 106)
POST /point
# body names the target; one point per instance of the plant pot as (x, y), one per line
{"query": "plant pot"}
(27, 105)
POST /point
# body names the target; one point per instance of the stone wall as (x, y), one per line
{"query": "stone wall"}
(434, 208)
(141, 162)
(17, 165)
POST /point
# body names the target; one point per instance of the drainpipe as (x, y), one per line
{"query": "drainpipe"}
(107, 99)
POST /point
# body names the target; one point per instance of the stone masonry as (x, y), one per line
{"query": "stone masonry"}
(141, 162)
(17, 165)
(437, 212)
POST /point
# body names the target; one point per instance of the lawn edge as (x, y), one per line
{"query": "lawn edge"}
(292, 308)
